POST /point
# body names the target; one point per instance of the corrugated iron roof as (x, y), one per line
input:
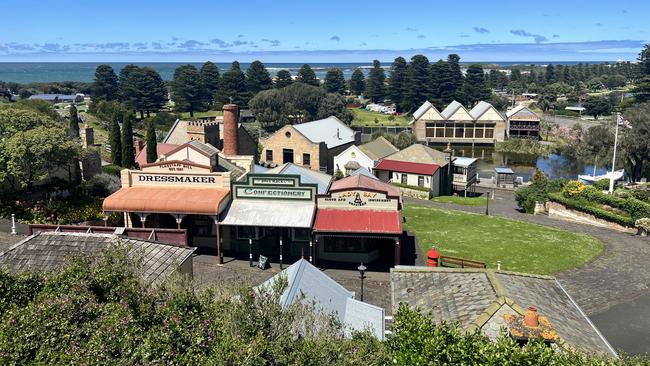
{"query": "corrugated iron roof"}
(378, 148)
(422, 110)
(200, 201)
(451, 109)
(322, 180)
(358, 221)
(329, 130)
(270, 213)
(418, 153)
(363, 181)
(407, 167)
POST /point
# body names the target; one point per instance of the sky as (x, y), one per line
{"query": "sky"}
(321, 31)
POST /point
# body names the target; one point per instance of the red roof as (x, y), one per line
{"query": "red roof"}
(364, 182)
(161, 149)
(407, 167)
(358, 221)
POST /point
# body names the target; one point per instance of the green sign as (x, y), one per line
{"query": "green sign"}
(274, 186)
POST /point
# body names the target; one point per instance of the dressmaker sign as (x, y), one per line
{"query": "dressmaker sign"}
(274, 187)
(166, 179)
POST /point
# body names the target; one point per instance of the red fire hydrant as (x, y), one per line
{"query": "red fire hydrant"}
(432, 257)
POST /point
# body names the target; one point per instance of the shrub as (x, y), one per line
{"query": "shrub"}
(537, 191)
(602, 185)
(643, 223)
(573, 189)
(584, 206)
(112, 169)
(102, 185)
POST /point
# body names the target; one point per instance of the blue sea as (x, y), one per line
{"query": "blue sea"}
(31, 72)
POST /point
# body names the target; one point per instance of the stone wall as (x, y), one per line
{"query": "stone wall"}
(559, 211)
(408, 192)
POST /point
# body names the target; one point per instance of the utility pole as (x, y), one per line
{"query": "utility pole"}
(611, 177)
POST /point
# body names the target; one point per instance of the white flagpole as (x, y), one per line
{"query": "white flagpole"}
(611, 177)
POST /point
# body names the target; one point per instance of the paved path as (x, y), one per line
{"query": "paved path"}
(614, 288)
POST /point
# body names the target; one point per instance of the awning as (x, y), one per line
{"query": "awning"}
(358, 221)
(174, 200)
(270, 213)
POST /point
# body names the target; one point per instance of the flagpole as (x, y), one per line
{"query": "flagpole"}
(611, 177)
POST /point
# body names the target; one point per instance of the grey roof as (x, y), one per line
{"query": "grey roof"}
(330, 130)
(363, 171)
(378, 148)
(463, 161)
(52, 97)
(418, 153)
(236, 172)
(308, 283)
(522, 112)
(503, 170)
(270, 213)
(306, 175)
(49, 251)
(423, 108)
(479, 109)
(451, 109)
(206, 148)
(478, 299)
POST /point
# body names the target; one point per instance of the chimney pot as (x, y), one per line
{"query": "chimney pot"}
(531, 319)
(230, 142)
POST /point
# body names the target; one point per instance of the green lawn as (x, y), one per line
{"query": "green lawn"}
(186, 115)
(520, 246)
(460, 200)
(363, 117)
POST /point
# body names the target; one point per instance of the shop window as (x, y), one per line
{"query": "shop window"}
(420, 181)
(404, 178)
(301, 234)
(249, 232)
(346, 245)
(269, 155)
(202, 226)
(306, 160)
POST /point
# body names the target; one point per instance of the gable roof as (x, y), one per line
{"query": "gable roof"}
(451, 109)
(480, 109)
(361, 181)
(407, 167)
(322, 180)
(418, 153)
(329, 130)
(478, 299)
(521, 112)
(308, 284)
(378, 148)
(49, 251)
(423, 109)
(161, 149)
(363, 171)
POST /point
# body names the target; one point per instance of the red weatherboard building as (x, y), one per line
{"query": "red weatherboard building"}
(359, 220)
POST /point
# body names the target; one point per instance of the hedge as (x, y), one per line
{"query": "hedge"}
(634, 207)
(586, 208)
(417, 188)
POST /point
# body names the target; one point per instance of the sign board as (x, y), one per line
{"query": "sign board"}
(262, 262)
(140, 178)
(274, 187)
(358, 199)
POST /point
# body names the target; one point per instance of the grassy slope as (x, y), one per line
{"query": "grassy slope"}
(363, 117)
(519, 246)
(460, 200)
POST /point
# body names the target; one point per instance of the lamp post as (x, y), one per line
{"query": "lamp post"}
(250, 251)
(487, 203)
(362, 272)
(13, 224)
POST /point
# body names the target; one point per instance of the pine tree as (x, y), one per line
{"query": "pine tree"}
(334, 81)
(233, 87)
(73, 129)
(357, 82)
(375, 88)
(417, 82)
(475, 88)
(151, 90)
(128, 150)
(457, 76)
(116, 141)
(152, 143)
(550, 73)
(397, 81)
(308, 76)
(128, 86)
(187, 89)
(282, 79)
(257, 78)
(105, 85)
(642, 89)
(209, 81)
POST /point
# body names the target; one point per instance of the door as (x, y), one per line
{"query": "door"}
(287, 155)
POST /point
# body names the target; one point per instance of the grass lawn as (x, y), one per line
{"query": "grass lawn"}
(363, 117)
(186, 115)
(520, 246)
(460, 200)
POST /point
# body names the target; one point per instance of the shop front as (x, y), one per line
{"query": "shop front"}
(359, 220)
(270, 215)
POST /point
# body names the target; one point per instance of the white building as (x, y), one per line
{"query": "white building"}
(363, 156)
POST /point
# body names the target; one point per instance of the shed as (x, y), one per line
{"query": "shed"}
(504, 177)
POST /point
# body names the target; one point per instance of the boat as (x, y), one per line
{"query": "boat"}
(590, 179)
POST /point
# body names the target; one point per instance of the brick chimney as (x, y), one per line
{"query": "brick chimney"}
(230, 142)
(139, 146)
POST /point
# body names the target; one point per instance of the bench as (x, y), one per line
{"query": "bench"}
(455, 262)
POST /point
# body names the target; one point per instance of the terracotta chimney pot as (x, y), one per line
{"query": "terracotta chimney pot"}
(531, 319)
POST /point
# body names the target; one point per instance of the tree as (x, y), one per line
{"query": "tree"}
(187, 89)
(333, 105)
(375, 89)
(550, 73)
(307, 75)
(441, 83)
(642, 89)
(257, 78)
(597, 106)
(282, 79)
(105, 85)
(152, 143)
(152, 91)
(233, 87)
(457, 76)
(635, 142)
(334, 81)
(475, 89)
(357, 82)
(397, 81)
(209, 81)
(73, 129)
(116, 141)
(128, 150)
(417, 83)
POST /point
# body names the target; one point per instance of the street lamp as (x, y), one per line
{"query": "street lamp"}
(487, 203)
(362, 272)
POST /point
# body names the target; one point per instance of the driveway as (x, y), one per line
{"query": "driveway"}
(613, 289)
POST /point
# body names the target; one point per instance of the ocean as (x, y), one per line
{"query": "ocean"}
(31, 72)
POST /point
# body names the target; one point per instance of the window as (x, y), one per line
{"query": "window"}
(300, 234)
(202, 226)
(420, 181)
(479, 131)
(249, 232)
(404, 178)
(489, 132)
(269, 155)
(335, 244)
(449, 130)
(460, 132)
(287, 155)
(306, 160)
(288, 134)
